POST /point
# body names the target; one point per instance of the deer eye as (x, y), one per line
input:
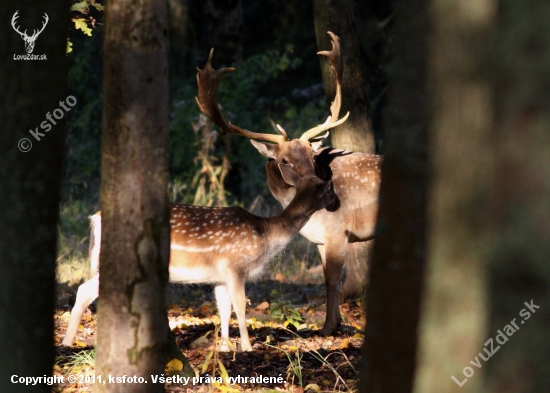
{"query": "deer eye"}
(284, 161)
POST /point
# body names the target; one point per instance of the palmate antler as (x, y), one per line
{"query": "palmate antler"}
(208, 81)
(336, 63)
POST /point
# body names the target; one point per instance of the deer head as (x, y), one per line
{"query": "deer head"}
(296, 153)
(29, 40)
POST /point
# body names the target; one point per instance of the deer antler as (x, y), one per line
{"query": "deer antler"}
(336, 63)
(36, 32)
(43, 26)
(13, 19)
(208, 81)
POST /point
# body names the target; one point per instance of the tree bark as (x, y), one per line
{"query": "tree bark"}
(132, 324)
(356, 133)
(519, 262)
(453, 324)
(29, 189)
(338, 16)
(396, 272)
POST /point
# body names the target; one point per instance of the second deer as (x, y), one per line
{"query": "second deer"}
(223, 246)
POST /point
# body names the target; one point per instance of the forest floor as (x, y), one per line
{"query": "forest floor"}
(283, 321)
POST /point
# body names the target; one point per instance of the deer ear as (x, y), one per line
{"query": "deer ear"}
(268, 150)
(318, 141)
(289, 175)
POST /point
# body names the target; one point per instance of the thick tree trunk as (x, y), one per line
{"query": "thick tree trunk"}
(454, 305)
(519, 264)
(338, 16)
(132, 325)
(29, 189)
(396, 272)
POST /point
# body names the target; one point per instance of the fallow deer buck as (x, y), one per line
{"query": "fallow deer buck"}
(223, 246)
(355, 176)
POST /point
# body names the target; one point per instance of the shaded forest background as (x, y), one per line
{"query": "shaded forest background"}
(278, 80)
(487, 244)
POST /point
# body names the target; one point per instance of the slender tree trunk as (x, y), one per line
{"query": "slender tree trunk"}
(338, 16)
(454, 306)
(519, 264)
(132, 325)
(396, 272)
(29, 189)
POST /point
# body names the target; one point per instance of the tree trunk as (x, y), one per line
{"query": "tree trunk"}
(454, 305)
(29, 189)
(519, 264)
(356, 133)
(338, 16)
(396, 272)
(132, 325)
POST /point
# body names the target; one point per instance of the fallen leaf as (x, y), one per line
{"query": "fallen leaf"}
(262, 306)
(173, 366)
(312, 386)
(344, 344)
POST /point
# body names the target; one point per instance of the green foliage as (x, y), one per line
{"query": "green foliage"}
(78, 361)
(73, 265)
(285, 312)
(246, 100)
(82, 161)
(294, 365)
(83, 19)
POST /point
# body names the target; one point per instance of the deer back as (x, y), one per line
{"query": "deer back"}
(206, 241)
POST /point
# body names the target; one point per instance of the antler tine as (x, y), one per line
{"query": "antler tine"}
(14, 20)
(208, 81)
(336, 63)
(45, 16)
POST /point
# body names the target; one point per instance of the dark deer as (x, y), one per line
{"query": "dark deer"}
(223, 246)
(355, 176)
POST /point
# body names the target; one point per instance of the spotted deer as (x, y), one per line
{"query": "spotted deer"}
(223, 246)
(355, 176)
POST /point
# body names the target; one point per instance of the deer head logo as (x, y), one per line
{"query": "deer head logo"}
(29, 40)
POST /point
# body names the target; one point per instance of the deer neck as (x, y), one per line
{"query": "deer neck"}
(290, 221)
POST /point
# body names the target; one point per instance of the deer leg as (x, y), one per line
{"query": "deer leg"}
(224, 308)
(85, 295)
(332, 253)
(235, 285)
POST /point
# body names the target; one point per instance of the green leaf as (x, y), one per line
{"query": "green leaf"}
(81, 7)
(80, 23)
(98, 6)
(69, 46)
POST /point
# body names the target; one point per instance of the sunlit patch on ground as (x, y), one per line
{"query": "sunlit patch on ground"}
(301, 357)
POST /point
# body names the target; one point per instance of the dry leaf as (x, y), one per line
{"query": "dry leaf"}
(262, 306)
(312, 386)
(173, 366)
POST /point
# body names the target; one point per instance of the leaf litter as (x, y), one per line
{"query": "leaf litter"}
(283, 321)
